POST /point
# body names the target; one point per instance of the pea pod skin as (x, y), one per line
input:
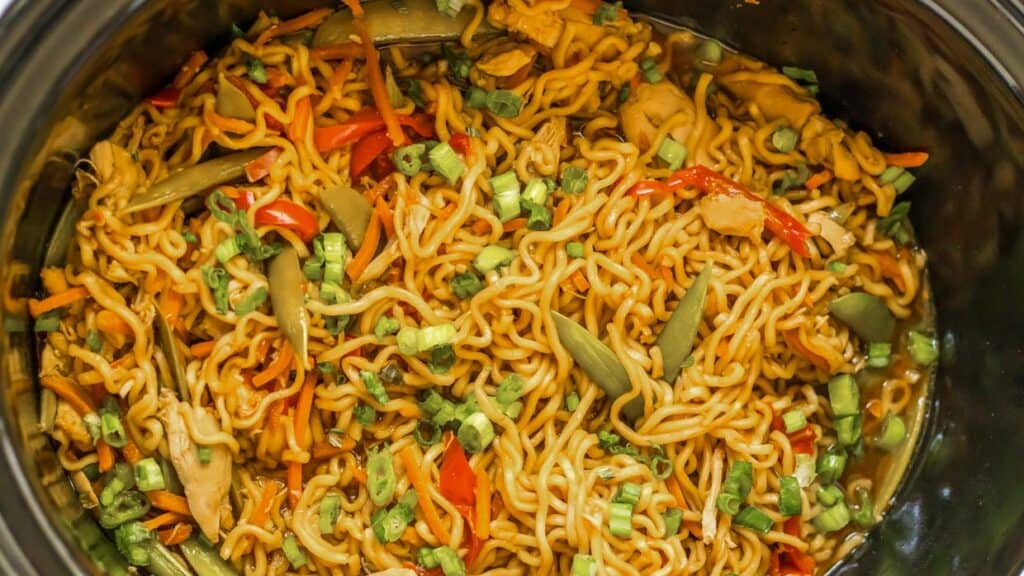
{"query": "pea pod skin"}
(399, 22)
(162, 562)
(598, 361)
(172, 352)
(865, 314)
(677, 337)
(349, 211)
(193, 180)
(232, 101)
(286, 296)
(204, 559)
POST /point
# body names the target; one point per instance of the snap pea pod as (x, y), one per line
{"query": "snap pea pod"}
(232, 101)
(399, 22)
(204, 559)
(349, 211)
(598, 361)
(163, 562)
(287, 298)
(172, 352)
(866, 315)
(676, 338)
(193, 180)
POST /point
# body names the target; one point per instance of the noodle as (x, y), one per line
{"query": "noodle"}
(603, 99)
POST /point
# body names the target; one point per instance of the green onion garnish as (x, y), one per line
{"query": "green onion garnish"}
(476, 432)
(836, 267)
(504, 103)
(628, 493)
(844, 396)
(890, 174)
(493, 257)
(574, 249)
(790, 502)
(380, 476)
(828, 495)
(751, 517)
(427, 558)
(148, 476)
(833, 518)
(892, 434)
(364, 414)
(736, 487)
(923, 349)
(805, 469)
(661, 467)
(227, 250)
(903, 182)
(451, 564)
(673, 518)
(293, 553)
(709, 52)
(878, 354)
(189, 237)
(848, 430)
(476, 97)
(784, 139)
(620, 519)
(374, 387)
(427, 433)
(539, 217)
(831, 464)
(446, 162)
(606, 12)
(863, 515)
(623, 93)
(442, 358)
(800, 74)
(204, 454)
(505, 188)
(536, 192)
(216, 280)
(467, 284)
(256, 71)
(386, 326)
(574, 180)
(330, 509)
(92, 341)
(116, 480)
(794, 420)
(510, 389)
(572, 401)
(672, 152)
(408, 159)
(649, 69)
(112, 430)
(252, 301)
(48, 322)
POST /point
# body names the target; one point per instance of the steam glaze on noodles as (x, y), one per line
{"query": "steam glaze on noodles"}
(174, 334)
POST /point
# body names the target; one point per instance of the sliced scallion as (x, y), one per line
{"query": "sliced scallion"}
(574, 179)
(794, 420)
(584, 564)
(536, 191)
(620, 519)
(831, 464)
(227, 249)
(446, 162)
(295, 556)
(409, 159)
(923, 349)
(380, 476)
(148, 476)
(504, 103)
(790, 501)
(572, 401)
(673, 518)
(574, 249)
(476, 433)
(892, 434)
(784, 139)
(628, 493)
(505, 188)
(672, 153)
(330, 509)
(466, 285)
(751, 517)
(848, 430)
(828, 495)
(833, 518)
(493, 257)
(879, 354)
(374, 387)
(844, 396)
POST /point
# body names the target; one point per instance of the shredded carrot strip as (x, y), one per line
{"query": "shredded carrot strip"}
(325, 450)
(132, 454)
(483, 505)
(163, 520)
(481, 227)
(360, 475)
(419, 483)
(906, 159)
(448, 210)
(676, 491)
(39, 307)
(302, 411)
(153, 281)
(176, 535)
(666, 273)
(792, 338)
(278, 367)
(165, 500)
(171, 303)
(106, 456)
(362, 258)
(890, 268)
(110, 323)
(723, 347)
(341, 74)
(190, 69)
(259, 515)
(818, 180)
(874, 407)
(379, 189)
(642, 264)
(225, 124)
(514, 224)
(294, 483)
(299, 127)
(67, 390)
(202, 349)
(377, 88)
(387, 218)
(342, 51)
(307, 20)
(561, 211)
(580, 281)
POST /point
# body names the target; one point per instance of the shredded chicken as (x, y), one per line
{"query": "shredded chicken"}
(823, 143)
(838, 237)
(542, 153)
(71, 423)
(544, 28)
(508, 62)
(774, 99)
(650, 106)
(53, 362)
(733, 215)
(206, 485)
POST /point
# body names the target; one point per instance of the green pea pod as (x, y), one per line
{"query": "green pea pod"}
(232, 101)
(204, 559)
(401, 22)
(349, 211)
(194, 180)
(163, 562)
(172, 352)
(866, 315)
(676, 338)
(287, 298)
(598, 361)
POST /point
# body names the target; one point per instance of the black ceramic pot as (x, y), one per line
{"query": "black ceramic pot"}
(944, 75)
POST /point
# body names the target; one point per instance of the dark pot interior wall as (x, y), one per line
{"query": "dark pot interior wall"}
(899, 70)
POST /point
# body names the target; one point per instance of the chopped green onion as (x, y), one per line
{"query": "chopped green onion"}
(459, 64)
(466, 285)
(416, 340)
(572, 401)
(620, 519)
(709, 52)
(148, 476)
(448, 559)
(93, 342)
(832, 518)
(831, 464)
(623, 93)
(216, 280)
(863, 515)
(672, 152)
(539, 217)
(256, 71)
(227, 249)
(844, 396)
(848, 430)
(673, 518)
(736, 487)
(800, 74)
(794, 420)
(536, 191)
(374, 387)
(574, 249)
(512, 409)
(334, 273)
(134, 542)
(427, 558)
(252, 301)
(510, 389)
(48, 322)
(429, 436)
(476, 433)
(574, 179)
(836, 267)
(442, 358)
(116, 480)
(895, 224)
(584, 564)
(878, 354)
(293, 553)
(450, 8)
(923, 349)
(751, 517)
(628, 493)
(433, 403)
(446, 162)
(408, 159)
(205, 454)
(505, 198)
(790, 502)
(126, 506)
(380, 476)
(606, 12)
(791, 179)
(386, 326)
(112, 430)
(649, 69)
(729, 503)
(504, 103)
(892, 434)
(493, 257)
(476, 97)
(805, 469)
(333, 247)
(330, 509)
(365, 415)
(189, 236)
(661, 467)
(784, 139)
(890, 174)
(903, 182)
(828, 495)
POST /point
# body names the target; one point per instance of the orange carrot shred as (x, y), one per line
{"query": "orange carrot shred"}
(360, 475)
(419, 483)
(579, 280)
(302, 411)
(110, 323)
(818, 180)
(325, 450)
(202, 349)
(481, 227)
(39, 307)
(340, 74)
(299, 127)
(379, 189)
(906, 159)
(294, 483)
(642, 264)
(171, 303)
(69, 391)
(676, 491)
(165, 500)
(666, 273)
(176, 535)
(561, 211)
(190, 69)
(259, 515)
(792, 338)
(132, 454)
(387, 218)
(279, 366)
(367, 249)
(890, 268)
(483, 505)
(307, 20)
(514, 224)
(163, 520)
(377, 88)
(341, 51)
(106, 456)
(448, 210)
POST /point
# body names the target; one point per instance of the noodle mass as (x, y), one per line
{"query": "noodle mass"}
(575, 293)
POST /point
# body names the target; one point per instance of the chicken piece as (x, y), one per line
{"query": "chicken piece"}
(838, 237)
(775, 100)
(54, 281)
(73, 426)
(54, 361)
(823, 143)
(544, 28)
(206, 485)
(733, 215)
(650, 106)
(507, 63)
(542, 153)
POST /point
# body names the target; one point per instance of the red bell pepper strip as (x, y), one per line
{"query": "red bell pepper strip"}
(364, 122)
(282, 213)
(166, 98)
(787, 560)
(460, 143)
(802, 441)
(778, 221)
(367, 150)
(458, 486)
(260, 167)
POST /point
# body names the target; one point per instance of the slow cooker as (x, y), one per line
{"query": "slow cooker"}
(941, 75)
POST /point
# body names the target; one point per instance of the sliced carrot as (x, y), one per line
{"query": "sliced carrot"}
(483, 505)
(387, 217)
(299, 127)
(303, 410)
(676, 491)
(39, 307)
(163, 520)
(561, 211)
(175, 535)
(874, 407)
(341, 72)
(171, 303)
(279, 366)
(307, 20)
(225, 124)
(448, 210)
(106, 456)
(792, 338)
(906, 159)
(165, 500)
(132, 454)
(260, 167)
(481, 227)
(325, 450)
(818, 180)
(153, 281)
(367, 250)
(259, 515)
(360, 475)
(379, 189)
(579, 280)
(419, 483)
(666, 273)
(190, 69)
(69, 391)
(377, 87)
(513, 225)
(639, 262)
(890, 268)
(202, 349)
(342, 51)
(110, 323)
(294, 483)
